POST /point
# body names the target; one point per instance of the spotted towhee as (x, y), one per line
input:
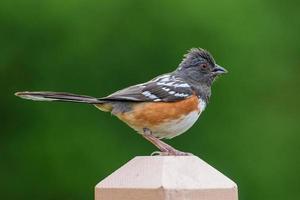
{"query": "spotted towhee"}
(163, 107)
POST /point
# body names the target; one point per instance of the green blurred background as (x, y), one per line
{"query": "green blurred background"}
(250, 130)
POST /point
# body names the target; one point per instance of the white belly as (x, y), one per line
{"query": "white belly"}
(176, 127)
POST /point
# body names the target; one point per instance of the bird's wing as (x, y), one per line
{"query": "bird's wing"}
(165, 88)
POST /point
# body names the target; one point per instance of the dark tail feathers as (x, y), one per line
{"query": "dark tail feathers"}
(58, 96)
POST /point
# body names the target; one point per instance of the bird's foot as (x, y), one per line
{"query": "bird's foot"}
(171, 153)
(165, 149)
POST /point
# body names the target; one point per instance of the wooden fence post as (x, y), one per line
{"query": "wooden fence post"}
(166, 178)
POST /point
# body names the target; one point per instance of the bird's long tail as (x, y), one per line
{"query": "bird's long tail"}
(58, 96)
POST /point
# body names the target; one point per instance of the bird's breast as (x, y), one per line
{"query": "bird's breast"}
(164, 119)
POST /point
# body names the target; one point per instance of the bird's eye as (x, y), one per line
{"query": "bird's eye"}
(203, 66)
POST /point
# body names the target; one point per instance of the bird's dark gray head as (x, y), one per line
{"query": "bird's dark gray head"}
(199, 67)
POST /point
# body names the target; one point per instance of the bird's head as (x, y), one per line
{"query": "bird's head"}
(198, 66)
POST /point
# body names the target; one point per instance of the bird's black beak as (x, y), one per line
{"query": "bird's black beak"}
(219, 70)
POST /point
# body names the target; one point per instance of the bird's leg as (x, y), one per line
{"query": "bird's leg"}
(165, 149)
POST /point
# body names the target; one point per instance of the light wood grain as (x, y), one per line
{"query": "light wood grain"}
(166, 178)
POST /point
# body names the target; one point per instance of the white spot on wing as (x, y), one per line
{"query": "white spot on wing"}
(152, 96)
(166, 89)
(148, 94)
(183, 85)
(165, 83)
(180, 95)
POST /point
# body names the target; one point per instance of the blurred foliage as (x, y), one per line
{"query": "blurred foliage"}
(250, 131)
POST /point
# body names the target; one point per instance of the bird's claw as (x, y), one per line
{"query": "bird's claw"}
(171, 153)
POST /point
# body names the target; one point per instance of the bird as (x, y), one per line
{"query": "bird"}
(162, 108)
